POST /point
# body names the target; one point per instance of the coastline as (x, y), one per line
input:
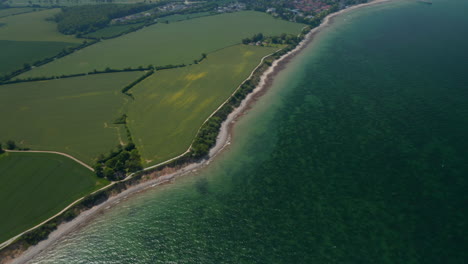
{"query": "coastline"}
(170, 174)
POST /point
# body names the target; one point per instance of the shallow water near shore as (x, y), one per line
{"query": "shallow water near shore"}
(357, 154)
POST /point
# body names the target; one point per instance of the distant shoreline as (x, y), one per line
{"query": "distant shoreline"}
(170, 174)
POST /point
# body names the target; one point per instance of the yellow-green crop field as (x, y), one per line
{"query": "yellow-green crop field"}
(73, 115)
(171, 105)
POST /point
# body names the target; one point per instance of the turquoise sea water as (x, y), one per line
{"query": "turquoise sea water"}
(358, 154)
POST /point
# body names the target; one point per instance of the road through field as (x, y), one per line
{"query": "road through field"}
(54, 152)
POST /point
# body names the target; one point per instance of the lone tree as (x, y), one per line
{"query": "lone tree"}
(10, 145)
(1, 149)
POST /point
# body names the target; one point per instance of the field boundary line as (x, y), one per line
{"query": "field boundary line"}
(54, 152)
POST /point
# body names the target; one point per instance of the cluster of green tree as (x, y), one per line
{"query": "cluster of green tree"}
(288, 39)
(39, 234)
(26, 67)
(118, 163)
(89, 18)
(254, 39)
(203, 56)
(10, 145)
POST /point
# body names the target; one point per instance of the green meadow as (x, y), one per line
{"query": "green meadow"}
(171, 105)
(172, 43)
(33, 27)
(35, 186)
(15, 11)
(14, 54)
(27, 38)
(73, 115)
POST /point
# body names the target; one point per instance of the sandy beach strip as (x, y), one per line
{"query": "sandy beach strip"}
(223, 140)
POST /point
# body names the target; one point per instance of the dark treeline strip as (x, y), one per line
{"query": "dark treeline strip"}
(89, 18)
(128, 87)
(64, 76)
(130, 30)
(288, 39)
(207, 7)
(203, 56)
(107, 70)
(205, 139)
(63, 53)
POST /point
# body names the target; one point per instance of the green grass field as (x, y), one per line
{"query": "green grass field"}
(27, 38)
(171, 105)
(72, 115)
(35, 186)
(15, 11)
(33, 27)
(112, 31)
(172, 43)
(14, 54)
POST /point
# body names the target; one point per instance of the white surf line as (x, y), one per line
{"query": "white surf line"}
(54, 152)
